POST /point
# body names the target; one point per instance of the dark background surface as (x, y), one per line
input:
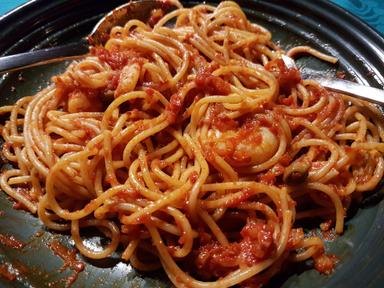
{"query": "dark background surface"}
(370, 11)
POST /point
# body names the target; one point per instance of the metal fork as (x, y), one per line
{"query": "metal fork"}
(360, 91)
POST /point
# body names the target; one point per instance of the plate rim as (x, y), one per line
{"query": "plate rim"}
(26, 13)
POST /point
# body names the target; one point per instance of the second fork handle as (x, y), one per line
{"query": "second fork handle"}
(44, 56)
(360, 91)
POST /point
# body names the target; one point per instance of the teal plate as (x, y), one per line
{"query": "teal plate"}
(320, 24)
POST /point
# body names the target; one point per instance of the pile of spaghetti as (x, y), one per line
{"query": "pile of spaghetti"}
(189, 144)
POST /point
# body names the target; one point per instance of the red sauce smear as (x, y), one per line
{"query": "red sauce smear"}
(11, 242)
(219, 119)
(341, 74)
(287, 77)
(70, 261)
(11, 271)
(296, 235)
(174, 107)
(5, 272)
(256, 245)
(270, 176)
(193, 177)
(117, 59)
(68, 256)
(206, 83)
(212, 85)
(325, 263)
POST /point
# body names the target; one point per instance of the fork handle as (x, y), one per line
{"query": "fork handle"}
(43, 56)
(360, 91)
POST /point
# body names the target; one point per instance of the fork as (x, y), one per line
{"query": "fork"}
(356, 90)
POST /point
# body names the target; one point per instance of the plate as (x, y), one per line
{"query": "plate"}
(320, 24)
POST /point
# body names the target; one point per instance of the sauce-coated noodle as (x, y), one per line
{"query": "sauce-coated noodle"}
(191, 145)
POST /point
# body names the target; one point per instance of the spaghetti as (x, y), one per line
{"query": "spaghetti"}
(189, 134)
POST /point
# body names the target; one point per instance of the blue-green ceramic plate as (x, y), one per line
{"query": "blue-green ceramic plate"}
(44, 23)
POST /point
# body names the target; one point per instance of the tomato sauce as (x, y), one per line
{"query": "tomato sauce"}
(215, 260)
(11, 242)
(287, 77)
(5, 272)
(193, 177)
(325, 263)
(118, 59)
(25, 193)
(296, 235)
(113, 81)
(317, 92)
(270, 176)
(223, 123)
(243, 196)
(68, 256)
(286, 159)
(212, 85)
(217, 118)
(174, 107)
(287, 101)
